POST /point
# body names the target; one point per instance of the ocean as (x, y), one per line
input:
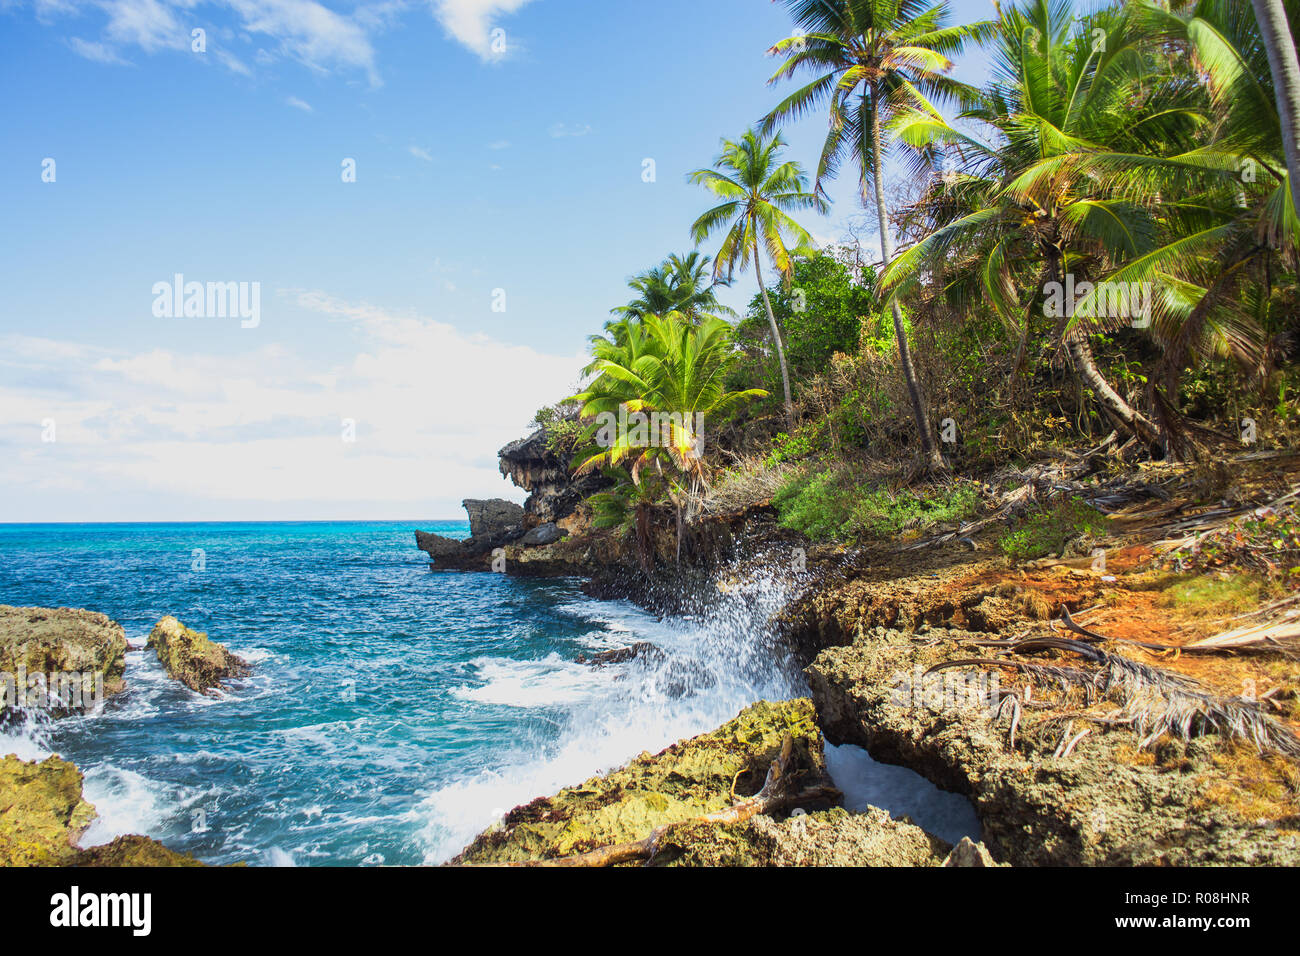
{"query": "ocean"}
(393, 712)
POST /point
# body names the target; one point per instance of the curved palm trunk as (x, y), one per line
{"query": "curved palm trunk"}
(1085, 366)
(1133, 420)
(929, 450)
(1282, 63)
(776, 338)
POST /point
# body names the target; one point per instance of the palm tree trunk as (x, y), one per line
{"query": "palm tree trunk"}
(1136, 423)
(776, 338)
(1282, 63)
(929, 450)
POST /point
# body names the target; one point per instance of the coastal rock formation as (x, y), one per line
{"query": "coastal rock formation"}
(489, 516)
(690, 778)
(548, 533)
(43, 814)
(1104, 800)
(191, 658)
(554, 494)
(44, 641)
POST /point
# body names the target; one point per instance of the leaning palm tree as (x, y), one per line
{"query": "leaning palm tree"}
(1279, 41)
(758, 193)
(871, 59)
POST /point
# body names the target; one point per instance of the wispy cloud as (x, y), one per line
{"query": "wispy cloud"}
(98, 52)
(260, 428)
(563, 130)
(301, 30)
(500, 144)
(471, 23)
(419, 153)
(299, 104)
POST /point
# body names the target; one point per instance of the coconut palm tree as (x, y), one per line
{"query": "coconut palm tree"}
(1279, 41)
(871, 59)
(678, 284)
(651, 394)
(758, 193)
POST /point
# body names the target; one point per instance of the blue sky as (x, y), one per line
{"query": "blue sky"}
(476, 170)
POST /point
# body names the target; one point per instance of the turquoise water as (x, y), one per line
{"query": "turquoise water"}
(393, 712)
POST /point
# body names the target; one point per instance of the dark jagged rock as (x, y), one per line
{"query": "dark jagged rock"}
(493, 523)
(554, 493)
(548, 533)
(621, 655)
(491, 516)
(66, 641)
(191, 658)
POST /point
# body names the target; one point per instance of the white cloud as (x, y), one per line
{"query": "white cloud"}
(237, 434)
(563, 130)
(471, 23)
(419, 153)
(98, 52)
(299, 104)
(500, 144)
(304, 30)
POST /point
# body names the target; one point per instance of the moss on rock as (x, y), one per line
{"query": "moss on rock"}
(42, 640)
(690, 778)
(43, 814)
(191, 658)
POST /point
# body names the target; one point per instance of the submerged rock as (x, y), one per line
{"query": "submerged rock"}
(191, 658)
(621, 655)
(64, 641)
(43, 814)
(690, 778)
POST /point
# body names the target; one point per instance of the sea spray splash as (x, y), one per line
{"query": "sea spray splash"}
(704, 669)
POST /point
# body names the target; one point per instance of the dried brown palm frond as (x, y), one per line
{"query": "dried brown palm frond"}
(1152, 701)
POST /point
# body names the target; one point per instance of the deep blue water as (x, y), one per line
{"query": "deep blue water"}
(393, 712)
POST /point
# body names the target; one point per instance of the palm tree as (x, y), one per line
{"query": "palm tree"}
(672, 370)
(678, 284)
(1275, 30)
(757, 194)
(1100, 172)
(871, 59)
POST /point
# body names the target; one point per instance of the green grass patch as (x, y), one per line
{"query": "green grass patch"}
(833, 505)
(1053, 531)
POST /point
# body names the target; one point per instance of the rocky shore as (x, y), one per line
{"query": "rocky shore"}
(1071, 756)
(43, 814)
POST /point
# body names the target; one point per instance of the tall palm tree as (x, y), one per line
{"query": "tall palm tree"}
(1279, 41)
(758, 193)
(871, 59)
(1099, 170)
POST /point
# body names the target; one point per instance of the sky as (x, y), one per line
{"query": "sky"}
(430, 203)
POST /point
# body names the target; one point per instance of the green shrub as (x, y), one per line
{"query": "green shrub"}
(833, 505)
(1054, 530)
